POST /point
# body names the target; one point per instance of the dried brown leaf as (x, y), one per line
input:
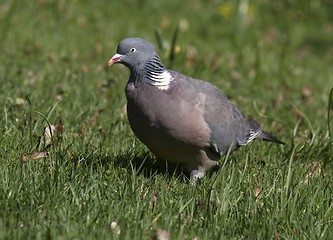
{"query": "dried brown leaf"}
(257, 192)
(115, 228)
(297, 113)
(123, 112)
(94, 119)
(84, 68)
(59, 98)
(187, 221)
(34, 156)
(161, 234)
(191, 56)
(270, 36)
(165, 22)
(153, 200)
(83, 130)
(101, 131)
(306, 92)
(48, 134)
(307, 95)
(19, 101)
(314, 170)
(52, 57)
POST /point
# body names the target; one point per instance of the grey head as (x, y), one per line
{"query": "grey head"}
(145, 65)
(135, 53)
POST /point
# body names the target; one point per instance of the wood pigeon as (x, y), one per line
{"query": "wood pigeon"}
(181, 119)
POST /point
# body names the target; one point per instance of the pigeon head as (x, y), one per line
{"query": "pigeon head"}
(133, 53)
(145, 65)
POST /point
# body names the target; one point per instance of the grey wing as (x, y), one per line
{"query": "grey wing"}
(229, 127)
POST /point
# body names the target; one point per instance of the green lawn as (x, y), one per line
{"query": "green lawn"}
(272, 58)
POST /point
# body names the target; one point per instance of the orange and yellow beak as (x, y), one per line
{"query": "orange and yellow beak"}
(115, 59)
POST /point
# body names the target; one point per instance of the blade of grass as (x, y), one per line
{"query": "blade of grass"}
(172, 53)
(159, 40)
(290, 173)
(330, 106)
(30, 122)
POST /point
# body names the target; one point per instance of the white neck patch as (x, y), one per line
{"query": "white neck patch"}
(160, 80)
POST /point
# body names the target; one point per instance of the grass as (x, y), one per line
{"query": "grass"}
(273, 59)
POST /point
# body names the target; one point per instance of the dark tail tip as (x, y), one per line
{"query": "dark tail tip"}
(269, 137)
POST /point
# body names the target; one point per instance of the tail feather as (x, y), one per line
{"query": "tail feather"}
(269, 137)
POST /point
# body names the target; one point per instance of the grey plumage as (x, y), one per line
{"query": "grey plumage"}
(181, 119)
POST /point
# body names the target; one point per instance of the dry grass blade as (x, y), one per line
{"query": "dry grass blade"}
(60, 129)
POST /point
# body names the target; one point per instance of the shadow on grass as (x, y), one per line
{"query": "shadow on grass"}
(142, 164)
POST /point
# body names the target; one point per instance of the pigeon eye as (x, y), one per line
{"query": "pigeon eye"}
(133, 50)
